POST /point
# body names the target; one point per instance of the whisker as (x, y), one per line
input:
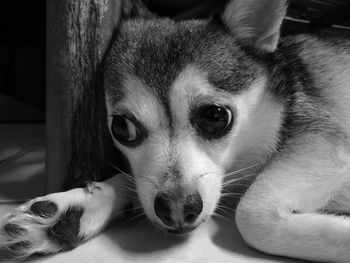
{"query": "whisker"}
(133, 197)
(134, 217)
(226, 207)
(142, 222)
(231, 194)
(226, 187)
(224, 218)
(125, 211)
(130, 176)
(243, 169)
(222, 210)
(129, 179)
(118, 169)
(200, 176)
(128, 188)
(233, 172)
(237, 179)
(228, 190)
(146, 179)
(129, 191)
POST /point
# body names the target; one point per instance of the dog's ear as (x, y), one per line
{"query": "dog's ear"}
(135, 9)
(256, 23)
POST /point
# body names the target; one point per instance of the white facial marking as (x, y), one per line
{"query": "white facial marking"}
(149, 159)
(257, 126)
(197, 157)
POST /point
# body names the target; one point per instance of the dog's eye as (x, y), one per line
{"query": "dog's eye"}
(127, 131)
(212, 121)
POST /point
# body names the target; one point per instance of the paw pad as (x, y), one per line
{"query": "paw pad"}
(20, 246)
(44, 208)
(16, 251)
(14, 230)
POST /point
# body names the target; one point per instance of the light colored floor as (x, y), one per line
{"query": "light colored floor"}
(137, 241)
(216, 241)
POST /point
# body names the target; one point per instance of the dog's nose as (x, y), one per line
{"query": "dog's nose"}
(162, 209)
(178, 212)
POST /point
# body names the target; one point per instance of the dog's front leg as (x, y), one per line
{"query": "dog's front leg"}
(61, 221)
(282, 212)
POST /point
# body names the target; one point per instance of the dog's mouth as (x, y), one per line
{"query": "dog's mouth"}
(181, 230)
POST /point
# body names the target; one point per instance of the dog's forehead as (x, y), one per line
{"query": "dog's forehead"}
(157, 51)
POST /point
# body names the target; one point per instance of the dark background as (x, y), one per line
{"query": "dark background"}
(22, 51)
(23, 36)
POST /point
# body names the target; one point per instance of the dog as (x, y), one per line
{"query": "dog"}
(191, 104)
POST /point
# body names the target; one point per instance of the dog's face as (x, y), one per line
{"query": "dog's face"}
(184, 101)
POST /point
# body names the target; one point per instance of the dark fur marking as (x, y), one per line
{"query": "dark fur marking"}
(156, 51)
(44, 208)
(305, 107)
(66, 231)
(14, 230)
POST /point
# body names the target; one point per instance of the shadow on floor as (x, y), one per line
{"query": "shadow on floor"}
(140, 236)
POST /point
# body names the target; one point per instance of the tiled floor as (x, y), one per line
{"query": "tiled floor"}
(22, 176)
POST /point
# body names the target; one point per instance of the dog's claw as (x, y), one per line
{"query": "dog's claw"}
(91, 186)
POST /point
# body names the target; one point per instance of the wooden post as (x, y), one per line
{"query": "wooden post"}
(78, 34)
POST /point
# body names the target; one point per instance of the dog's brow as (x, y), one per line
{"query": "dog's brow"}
(138, 100)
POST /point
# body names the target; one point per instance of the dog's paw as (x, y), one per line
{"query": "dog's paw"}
(43, 225)
(59, 221)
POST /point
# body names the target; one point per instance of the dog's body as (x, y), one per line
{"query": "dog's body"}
(191, 103)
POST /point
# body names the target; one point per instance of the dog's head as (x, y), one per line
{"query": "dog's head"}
(185, 100)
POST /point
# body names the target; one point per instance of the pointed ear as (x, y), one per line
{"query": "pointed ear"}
(135, 9)
(256, 23)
